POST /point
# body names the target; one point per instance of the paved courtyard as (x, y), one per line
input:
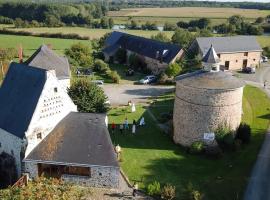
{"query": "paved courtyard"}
(121, 94)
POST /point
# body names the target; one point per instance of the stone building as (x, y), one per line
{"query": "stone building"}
(156, 55)
(46, 58)
(205, 100)
(235, 52)
(35, 109)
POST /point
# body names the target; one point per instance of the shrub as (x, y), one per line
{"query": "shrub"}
(243, 133)
(168, 192)
(164, 79)
(213, 151)
(221, 131)
(153, 189)
(121, 56)
(173, 70)
(100, 65)
(196, 147)
(190, 193)
(115, 77)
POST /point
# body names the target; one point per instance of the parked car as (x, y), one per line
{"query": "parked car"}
(249, 70)
(264, 59)
(98, 82)
(148, 79)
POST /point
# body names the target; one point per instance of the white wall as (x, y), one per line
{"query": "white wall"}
(52, 107)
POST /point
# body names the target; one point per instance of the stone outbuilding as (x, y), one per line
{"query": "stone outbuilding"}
(205, 100)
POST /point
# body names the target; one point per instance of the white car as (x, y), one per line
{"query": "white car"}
(148, 79)
(98, 82)
(264, 59)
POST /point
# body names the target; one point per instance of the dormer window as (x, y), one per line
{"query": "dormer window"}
(246, 54)
(55, 89)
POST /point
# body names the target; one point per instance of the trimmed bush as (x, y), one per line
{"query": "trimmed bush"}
(196, 147)
(153, 189)
(221, 132)
(243, 133)
(100, 66)
(168, 192)
(115, 77)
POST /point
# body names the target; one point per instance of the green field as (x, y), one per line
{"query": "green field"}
(151, 155)
(91, 33)
(30, 44)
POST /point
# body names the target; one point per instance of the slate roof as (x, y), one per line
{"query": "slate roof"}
(46, 58)
(229, 44)
(146, 47)
(211, 80)
(211, 56)
(80, 138)
(19, 95)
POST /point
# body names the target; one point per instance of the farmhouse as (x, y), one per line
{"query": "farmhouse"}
(46, 58)
(205, 100)
(235, 52)
(156, 55)
(41, 128)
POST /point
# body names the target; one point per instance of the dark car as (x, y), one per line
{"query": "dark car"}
(249, 70)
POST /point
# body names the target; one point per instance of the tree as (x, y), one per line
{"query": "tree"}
(205, 33)
(111, 22)
(169, 26)
(80, 55)
(104, 22)
(236, 20)
(162, 37)
(259, 20)
(52, 21)
(88, 97)
(182, 37)
(173, 70)
(133, 24)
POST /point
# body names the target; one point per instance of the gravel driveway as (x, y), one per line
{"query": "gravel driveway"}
(121, 94)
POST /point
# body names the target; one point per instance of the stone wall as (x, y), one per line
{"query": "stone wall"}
(198, 111)
(107, 177)
(236, 59)
(12, 145)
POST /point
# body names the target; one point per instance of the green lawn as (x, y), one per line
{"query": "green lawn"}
(150, 155)
(30, 44)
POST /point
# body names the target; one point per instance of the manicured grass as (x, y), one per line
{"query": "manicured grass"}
(30, 44)
(150, 155)
(264, 40)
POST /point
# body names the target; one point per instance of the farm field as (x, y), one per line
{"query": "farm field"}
(30, 43)
(150, 155)
(190, 12)
(91, 33)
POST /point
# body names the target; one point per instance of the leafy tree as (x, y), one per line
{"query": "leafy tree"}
(162, 37)
(173, 70)
(182, 37)
(205, 33)
(88, 97)
(203, 23)
(260, 20)
(52, 21)
(149, 26)
(236, 20)
(111, 22)
(169, 26)
(104, 22)
(133, 24)
(80, 55)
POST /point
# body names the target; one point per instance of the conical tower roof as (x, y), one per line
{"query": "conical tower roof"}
(211, 56)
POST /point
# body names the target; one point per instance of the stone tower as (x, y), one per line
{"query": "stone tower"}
(204, 100)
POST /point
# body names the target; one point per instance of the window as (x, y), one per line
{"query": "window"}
(254, 59)
(236, 61)
(12, 152)
(246, 54)
(80, 171)
(55, 89)
(39, 136)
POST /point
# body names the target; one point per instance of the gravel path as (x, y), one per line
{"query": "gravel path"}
(121, 94)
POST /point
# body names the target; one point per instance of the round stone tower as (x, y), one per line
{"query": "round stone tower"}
(205, 100)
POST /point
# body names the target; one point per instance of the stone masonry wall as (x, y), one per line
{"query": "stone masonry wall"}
(198, 111)
(107, 177)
